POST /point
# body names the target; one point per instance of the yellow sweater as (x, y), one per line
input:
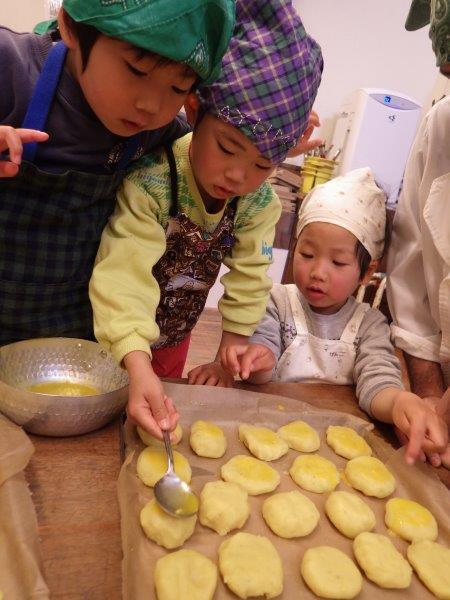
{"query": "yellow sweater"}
(123, 290)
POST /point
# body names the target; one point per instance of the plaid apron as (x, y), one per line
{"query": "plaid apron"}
(51, 226)
(188, 268)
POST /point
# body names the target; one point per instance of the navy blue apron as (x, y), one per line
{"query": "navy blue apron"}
(50, 227)
(189, 266)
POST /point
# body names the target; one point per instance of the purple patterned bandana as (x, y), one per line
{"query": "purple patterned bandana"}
(270, 76)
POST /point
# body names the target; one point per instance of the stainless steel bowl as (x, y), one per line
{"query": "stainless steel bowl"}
(60, 359)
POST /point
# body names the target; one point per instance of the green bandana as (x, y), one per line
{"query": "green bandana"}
(193, 32)
(437, 13)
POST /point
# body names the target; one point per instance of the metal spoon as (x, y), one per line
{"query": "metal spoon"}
(171, 493)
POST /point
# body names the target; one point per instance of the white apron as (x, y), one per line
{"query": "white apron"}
(310, 359)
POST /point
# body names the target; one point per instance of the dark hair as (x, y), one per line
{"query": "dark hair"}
(363, 256)
(88, 35)
(85, 34)
(200, 114)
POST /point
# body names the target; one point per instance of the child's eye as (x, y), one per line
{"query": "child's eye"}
(339, 264)
(263, 167)
(135, 71)
(179, 91)
(305, 255)
(224, 150)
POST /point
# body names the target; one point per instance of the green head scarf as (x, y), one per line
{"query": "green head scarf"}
(193, 32)
(437, 14)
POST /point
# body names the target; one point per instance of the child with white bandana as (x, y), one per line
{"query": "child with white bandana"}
(315, 330)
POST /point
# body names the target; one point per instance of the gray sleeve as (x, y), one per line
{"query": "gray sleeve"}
(268, 332)
(376, 365)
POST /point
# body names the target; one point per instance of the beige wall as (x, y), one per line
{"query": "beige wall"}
(365, 44)
(22, 15)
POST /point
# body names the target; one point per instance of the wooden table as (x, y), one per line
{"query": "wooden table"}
(73, 482)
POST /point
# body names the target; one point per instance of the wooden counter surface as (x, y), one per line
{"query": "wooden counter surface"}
(73, 482)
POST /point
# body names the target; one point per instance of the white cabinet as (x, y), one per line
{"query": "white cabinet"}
(375, 129)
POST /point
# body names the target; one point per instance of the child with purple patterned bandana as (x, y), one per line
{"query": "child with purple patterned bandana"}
(203, 202)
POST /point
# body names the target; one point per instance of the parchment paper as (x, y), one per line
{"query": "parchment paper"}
(228, 408)
(20, 564)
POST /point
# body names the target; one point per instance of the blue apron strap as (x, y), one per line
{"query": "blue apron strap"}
(43, 94)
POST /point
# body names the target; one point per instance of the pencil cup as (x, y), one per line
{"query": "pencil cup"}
(315, 171)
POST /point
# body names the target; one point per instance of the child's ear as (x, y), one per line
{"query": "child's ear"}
(67, 35)
(370, 271)
(191, 107)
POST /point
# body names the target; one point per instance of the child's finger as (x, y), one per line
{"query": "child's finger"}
(401, 435)
(445, 457)
(434, 459)
(13, 140)
(8, 169)
(169, 404)
(211, 380)
(230, 359)
(32, 135)
(312, 144)
(173, 419)
(192, 375)
(403, 438)
(159, 411)
(147, 422)
(232, 355)
(437, 433)
(171, 412)
(417, 430)
(247, 363)
(200, 377)
(308, 132)
(314, 119)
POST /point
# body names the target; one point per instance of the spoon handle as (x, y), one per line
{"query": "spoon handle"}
(168, 445)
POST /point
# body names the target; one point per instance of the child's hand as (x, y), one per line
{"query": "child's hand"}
(210, 374)
(421, 424)
(436, 459)
(442, 408)
(148, 405)
(12, 140)
(305, 144)
(246, 359)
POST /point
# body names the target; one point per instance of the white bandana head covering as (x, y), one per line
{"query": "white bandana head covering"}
(352, 201)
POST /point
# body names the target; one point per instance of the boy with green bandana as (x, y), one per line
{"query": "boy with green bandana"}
(106, 94)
